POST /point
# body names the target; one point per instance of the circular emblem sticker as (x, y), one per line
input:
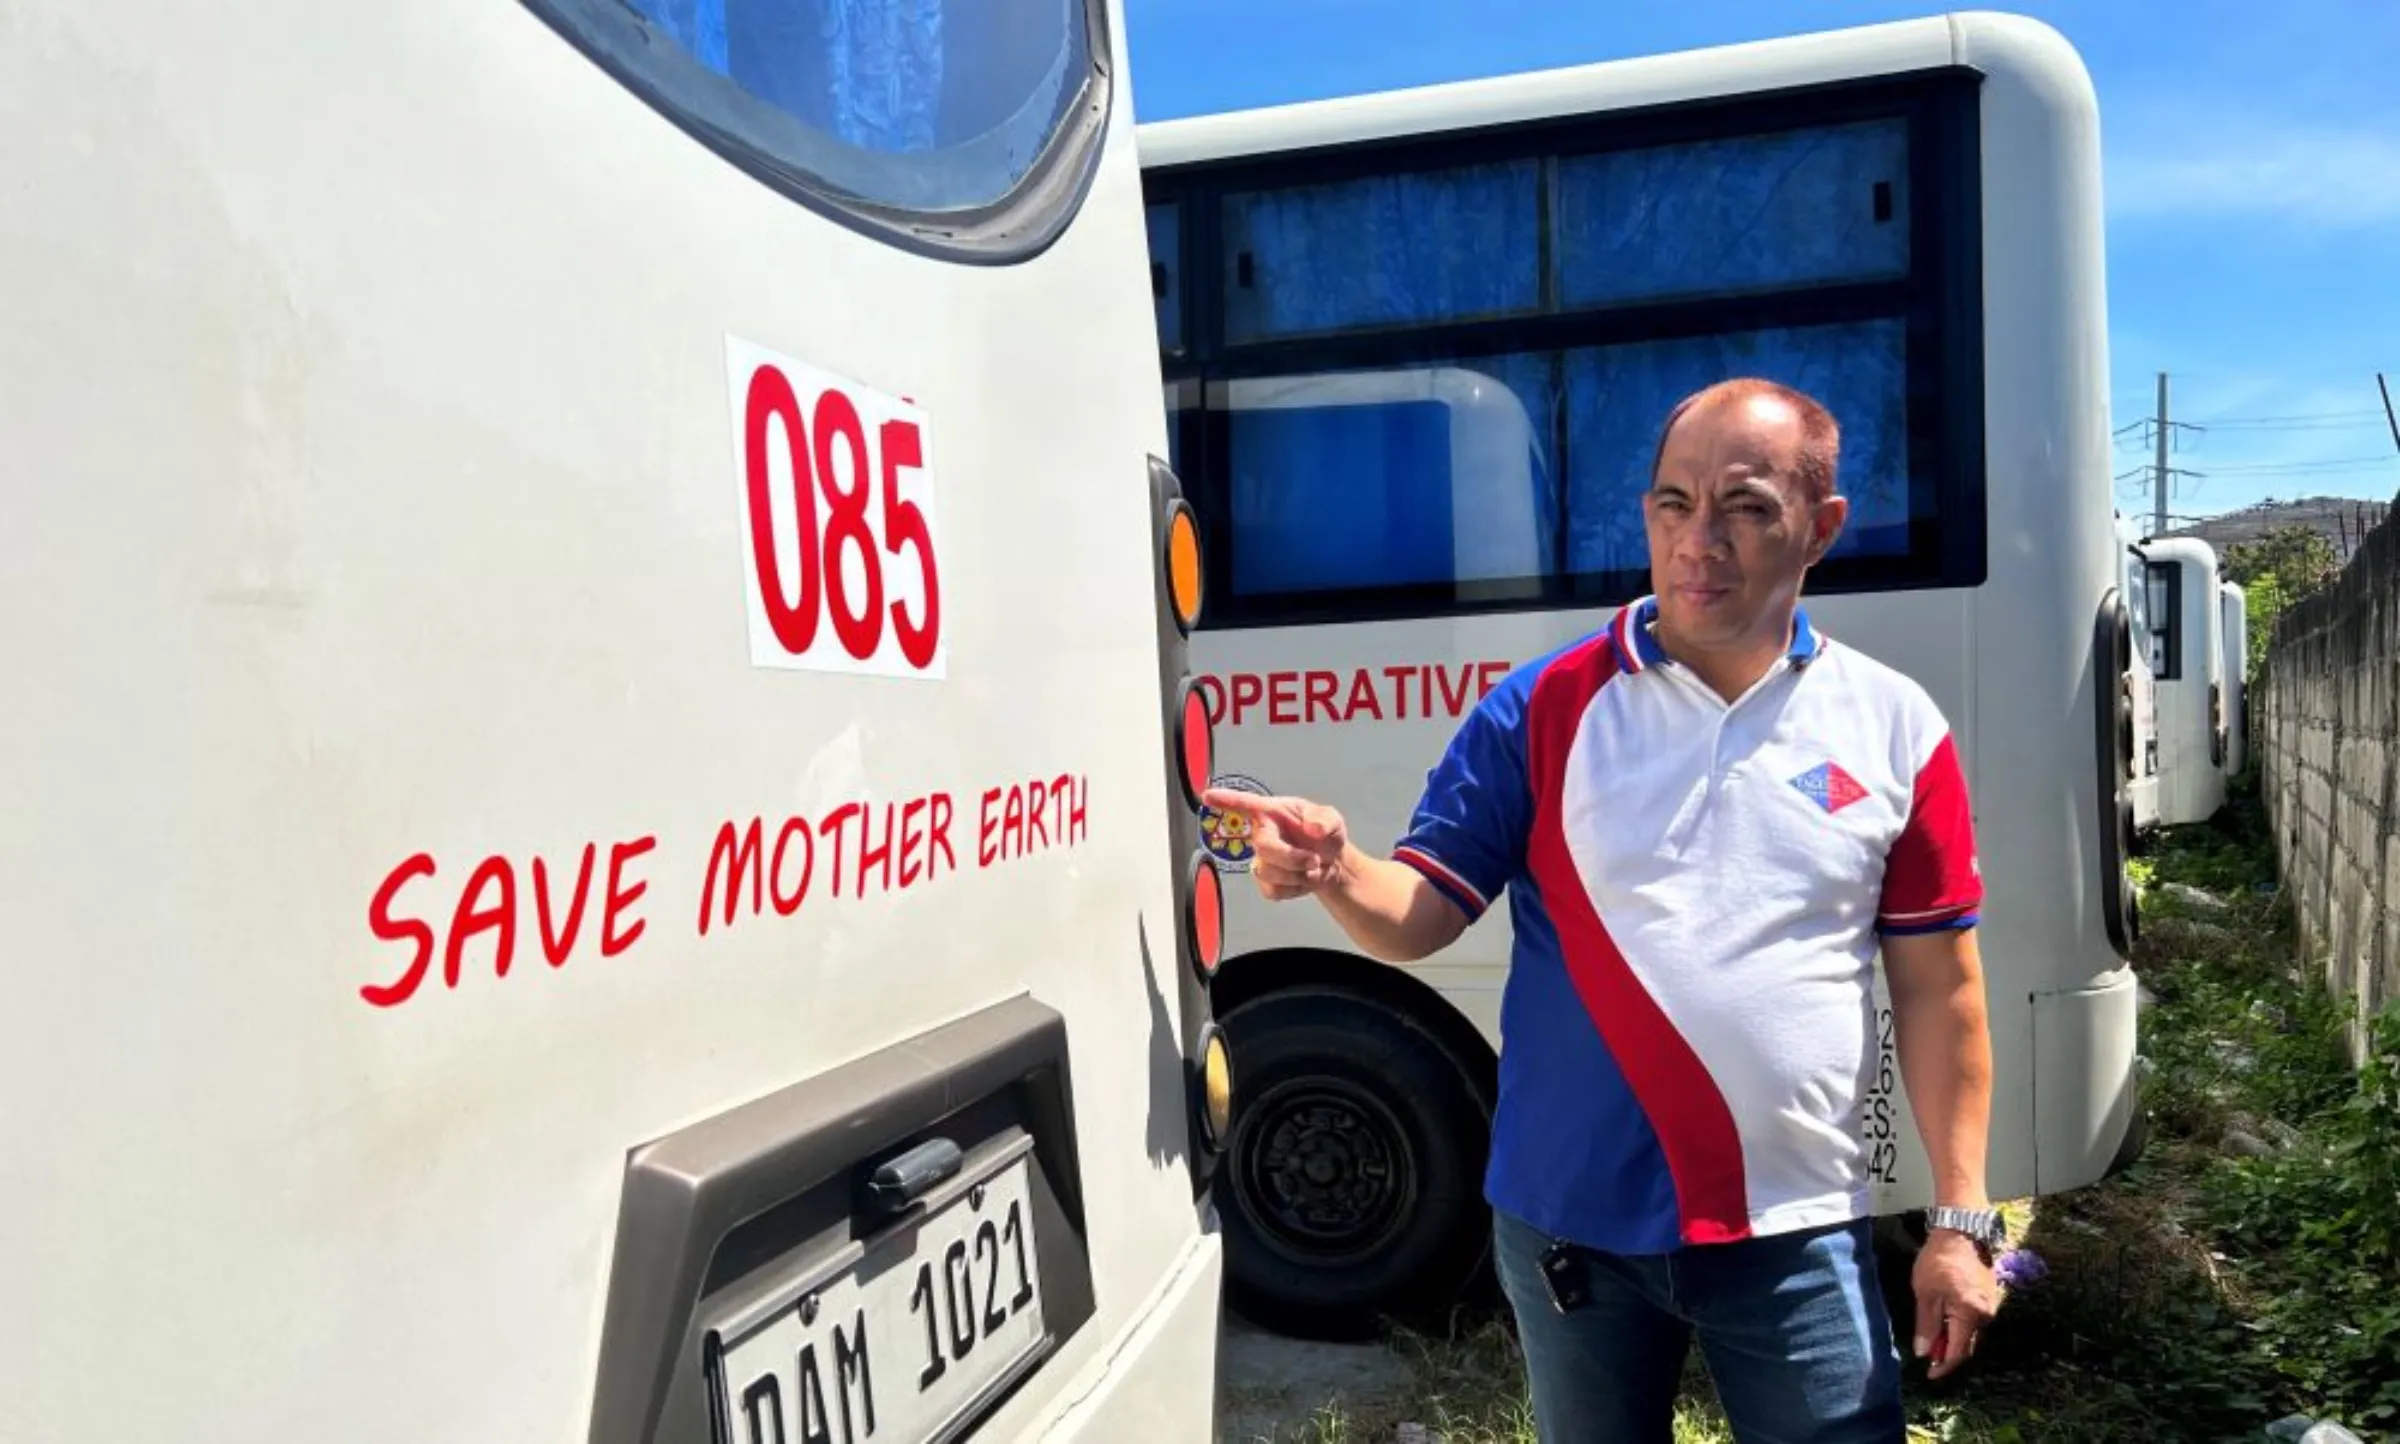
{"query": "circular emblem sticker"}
(1227, 838)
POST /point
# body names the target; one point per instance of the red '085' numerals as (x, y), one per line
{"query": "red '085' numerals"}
(816, 446)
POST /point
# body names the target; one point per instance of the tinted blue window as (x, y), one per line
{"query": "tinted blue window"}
(970, 90)
(1674, 222)
(2166, 592)
(1426, 246)
(1391, 478)
(1166, 271)
(1617, 397)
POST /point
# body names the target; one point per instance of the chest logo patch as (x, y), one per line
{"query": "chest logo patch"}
(1829, 787)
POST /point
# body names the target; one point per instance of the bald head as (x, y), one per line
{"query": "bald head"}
(1820, 449)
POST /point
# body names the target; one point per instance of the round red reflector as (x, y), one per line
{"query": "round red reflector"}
(1195, 743)
(1204, 903)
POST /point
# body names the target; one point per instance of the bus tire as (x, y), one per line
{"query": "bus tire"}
(1352, 1186)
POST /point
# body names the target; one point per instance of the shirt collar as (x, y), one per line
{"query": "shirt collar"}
(1632, 632)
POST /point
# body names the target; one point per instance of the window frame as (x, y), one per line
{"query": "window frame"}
(1018, 225)
(1939, 304)
(1167, 278)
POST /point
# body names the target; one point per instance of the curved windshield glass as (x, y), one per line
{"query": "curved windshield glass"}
(936, 108)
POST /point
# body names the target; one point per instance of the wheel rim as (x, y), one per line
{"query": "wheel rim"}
(1324, 1168)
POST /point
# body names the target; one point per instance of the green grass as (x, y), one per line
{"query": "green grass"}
(2197, 1296)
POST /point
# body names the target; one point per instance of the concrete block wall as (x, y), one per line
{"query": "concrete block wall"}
(2325, 723)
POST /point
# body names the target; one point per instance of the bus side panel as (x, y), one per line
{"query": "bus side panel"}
(2052, 518)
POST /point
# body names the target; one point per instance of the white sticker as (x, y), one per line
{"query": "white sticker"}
(841, 548)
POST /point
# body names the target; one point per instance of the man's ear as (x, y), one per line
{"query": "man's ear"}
(1826, 519)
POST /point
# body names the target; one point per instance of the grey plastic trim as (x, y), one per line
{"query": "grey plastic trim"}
(792, 1166)
(1194, 1009)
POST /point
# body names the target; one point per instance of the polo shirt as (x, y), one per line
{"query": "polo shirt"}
(1697, 891)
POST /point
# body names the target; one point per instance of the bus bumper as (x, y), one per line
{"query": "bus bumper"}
(1159, 1382)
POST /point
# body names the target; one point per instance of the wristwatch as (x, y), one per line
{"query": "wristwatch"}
(1983, 1225)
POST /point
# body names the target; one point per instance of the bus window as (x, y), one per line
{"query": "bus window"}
(873, 110)
(1382, 250)
(2166, 630)
(1590, 289)
(1438, 476)
(1442, 474)
(2137, 596)
(1744, 213)
(1616, 396)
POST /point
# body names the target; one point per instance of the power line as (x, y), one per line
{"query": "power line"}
(2292, 428)
(2307, 468)
(2223, 422)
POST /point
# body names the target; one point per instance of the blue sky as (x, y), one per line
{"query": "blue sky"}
(2252, 173)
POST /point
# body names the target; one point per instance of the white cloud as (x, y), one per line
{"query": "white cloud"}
(2320, 177)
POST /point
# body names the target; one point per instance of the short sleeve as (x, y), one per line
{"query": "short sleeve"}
(1468, 835)
(1932, 880)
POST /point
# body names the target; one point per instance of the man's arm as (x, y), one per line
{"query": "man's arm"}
(1945, 1054)
(1464, 842)
(1932, 891)
(1389, 908)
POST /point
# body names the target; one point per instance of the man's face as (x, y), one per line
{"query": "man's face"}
(1731, 531)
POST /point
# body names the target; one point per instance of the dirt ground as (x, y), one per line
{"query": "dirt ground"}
(1271, 1388)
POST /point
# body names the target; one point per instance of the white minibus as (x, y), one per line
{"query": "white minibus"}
(1904, 220)
(602, 792)
(2143, 687)
(2188, 658)
(2233, 664)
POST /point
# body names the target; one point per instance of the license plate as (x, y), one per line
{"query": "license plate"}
(902, 1344)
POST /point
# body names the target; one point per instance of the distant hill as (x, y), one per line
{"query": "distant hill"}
(2341, 520)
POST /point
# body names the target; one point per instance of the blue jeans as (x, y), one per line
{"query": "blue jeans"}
(1793, 1327)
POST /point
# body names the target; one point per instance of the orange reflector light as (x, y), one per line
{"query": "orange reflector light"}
(1195, 744)
(1216, 1089)
(1204, 904)
(1183, 566)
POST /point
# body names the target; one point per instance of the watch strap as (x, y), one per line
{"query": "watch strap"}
(1983, 1225)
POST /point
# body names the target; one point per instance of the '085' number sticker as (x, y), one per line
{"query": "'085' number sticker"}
(843, 556)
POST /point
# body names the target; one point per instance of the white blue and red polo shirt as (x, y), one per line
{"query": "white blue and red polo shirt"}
(1697, 890)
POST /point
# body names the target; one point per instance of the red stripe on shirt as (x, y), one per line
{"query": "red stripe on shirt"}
(1686, 1109)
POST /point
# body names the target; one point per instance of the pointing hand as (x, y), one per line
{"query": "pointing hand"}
(1298, 845)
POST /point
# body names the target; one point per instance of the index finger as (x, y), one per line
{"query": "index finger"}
(1226, 799)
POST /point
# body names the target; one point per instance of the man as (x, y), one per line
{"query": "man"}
(1708, 816)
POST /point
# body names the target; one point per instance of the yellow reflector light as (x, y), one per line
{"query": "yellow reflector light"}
(1183, 566)
(1216, 1089)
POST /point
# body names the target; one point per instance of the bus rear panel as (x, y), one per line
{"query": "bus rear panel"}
(595, 851)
